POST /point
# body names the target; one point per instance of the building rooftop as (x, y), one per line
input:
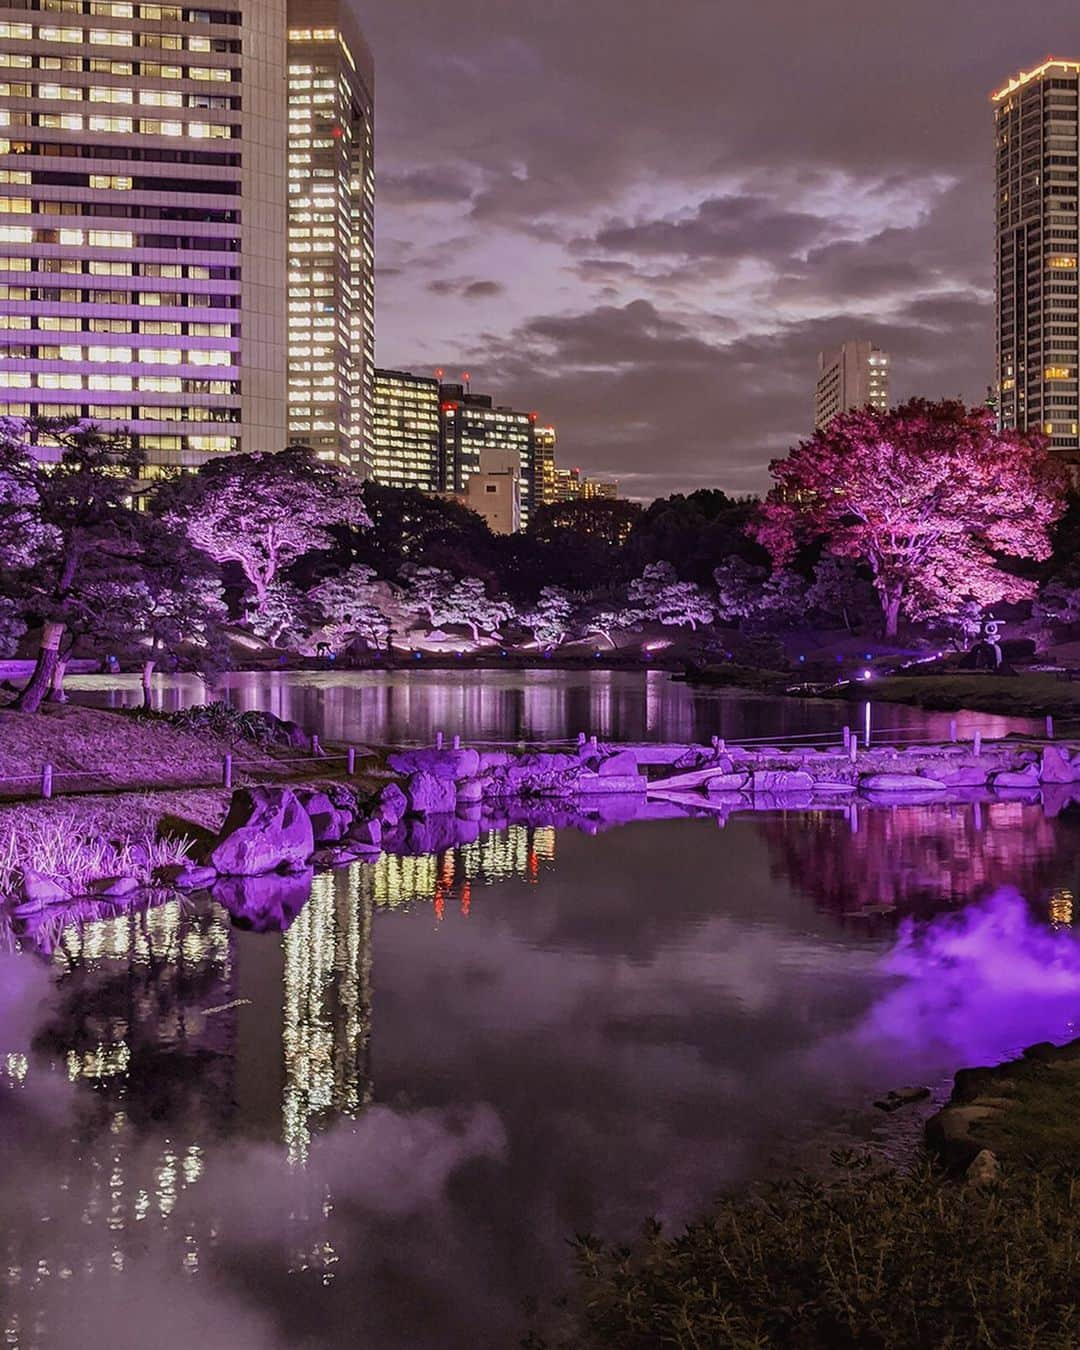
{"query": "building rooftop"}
(1026, 76)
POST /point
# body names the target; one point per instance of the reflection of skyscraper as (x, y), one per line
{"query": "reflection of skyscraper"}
(326, 1026)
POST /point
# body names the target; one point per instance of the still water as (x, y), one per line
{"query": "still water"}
(379, 1127)
(396, 707)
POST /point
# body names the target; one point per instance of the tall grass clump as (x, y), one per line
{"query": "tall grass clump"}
(54, 847)
(868, 1260)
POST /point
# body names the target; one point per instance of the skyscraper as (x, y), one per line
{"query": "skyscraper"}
(855, 375)
(1038, 310)
(331, 250)
(473, 423)
(406, 433)
(142, 190)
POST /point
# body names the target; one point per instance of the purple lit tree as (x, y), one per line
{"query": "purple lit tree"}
(351, 608)
(263, 511)
(284, 614)
(443, 598)
(605, 622)
(839, 591)
(929, 496)
(661, 596)
(549, 619)
(65, 529)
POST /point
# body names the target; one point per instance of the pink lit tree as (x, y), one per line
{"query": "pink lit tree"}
(929, 496)
(443, 598)
(264, 511)
(351, 607)
(549, 618)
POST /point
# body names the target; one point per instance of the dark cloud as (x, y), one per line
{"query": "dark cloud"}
(762, 177)
(481, 290)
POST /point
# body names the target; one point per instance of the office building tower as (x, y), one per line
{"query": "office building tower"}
(546, 441)
(1038, 310)
(142, 195)
(571, 485)
(473, 423)
(331, 243)
(406, 431)
(854, 375)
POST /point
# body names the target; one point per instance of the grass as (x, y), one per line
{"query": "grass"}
(60, 847)
(867, 1260)
(1031, 695)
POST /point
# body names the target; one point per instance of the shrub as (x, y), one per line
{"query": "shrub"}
(56, 848)
(869, 1260)
(231, 724)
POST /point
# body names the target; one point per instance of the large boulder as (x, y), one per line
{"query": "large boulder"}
(900, 782)
(366, 833)
(266, 830)
(428, 795)
(1055, 768)
(451, 764)
(1007, 779)
(621, 765)
(777, 782)
(37, 889)
(391, 805)
(328, 823)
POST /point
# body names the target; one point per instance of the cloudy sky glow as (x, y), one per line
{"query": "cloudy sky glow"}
(643, 218)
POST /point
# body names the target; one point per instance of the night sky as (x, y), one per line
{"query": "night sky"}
(643, 218)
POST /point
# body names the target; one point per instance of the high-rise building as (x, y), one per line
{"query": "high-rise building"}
(494, 491)
(571, 485)
(546, 441)
(854, 375)
(1038, 308)
(471, 424)
(142, 190)
(406, 431)
(331, 252)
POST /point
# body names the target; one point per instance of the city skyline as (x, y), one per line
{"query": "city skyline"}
(622, 239)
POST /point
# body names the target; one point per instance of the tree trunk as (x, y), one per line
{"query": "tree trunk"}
(891, 609)
(147, 677)
(30, 699)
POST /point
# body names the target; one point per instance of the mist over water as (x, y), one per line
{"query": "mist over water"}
(379, 1127)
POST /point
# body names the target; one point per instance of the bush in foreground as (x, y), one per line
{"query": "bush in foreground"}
(870, 1259)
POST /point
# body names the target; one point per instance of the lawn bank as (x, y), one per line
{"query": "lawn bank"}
(1029, 695)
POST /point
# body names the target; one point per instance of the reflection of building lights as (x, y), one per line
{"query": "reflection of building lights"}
(1061, 908)
(106, 1061)
(16, 1067)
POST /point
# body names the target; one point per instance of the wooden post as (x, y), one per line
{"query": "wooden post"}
(720, 743)
(457, 742)
(845, 736)
(351, 762)
(581, 738)
(592, 743)
(976, 743)
(853, 749)
(438, 740)
(46, 780)
(226, 771)
(316, 748)
(1049, 726)
(952, 730)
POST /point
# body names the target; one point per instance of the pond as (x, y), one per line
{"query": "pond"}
(380, 1127)
(396, 707)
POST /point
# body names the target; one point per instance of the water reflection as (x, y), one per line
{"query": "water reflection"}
(398, 707)
(421, 1080)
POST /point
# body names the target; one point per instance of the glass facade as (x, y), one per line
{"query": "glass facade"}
(406, 431)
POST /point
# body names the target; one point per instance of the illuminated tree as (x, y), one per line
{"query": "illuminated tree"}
(66, 530)
(839, 591)
(930, 497)
(284, 614)
(660, 595)
(605, 622)
(549, 619)
(443, 598)
(263, 511)
(350, 605)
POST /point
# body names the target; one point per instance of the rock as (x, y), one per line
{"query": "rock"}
(893, 1101)
(37, 889)
(623, 764)
(186, 876)
(899, 782)
(777, 782)
(266, 829)
(453, 764)
(114, 887)
(590, 784)
(495, 759)
(470, 791)
(984, 1168)
(1054, 767)
(1022, 778)
(948, 1134)
(343, 797)
(428, 795)
(726, 782)
(963, 776)
(392, 805)
(829, 785)
(367, 833)
(266, 903)
(328, 824)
